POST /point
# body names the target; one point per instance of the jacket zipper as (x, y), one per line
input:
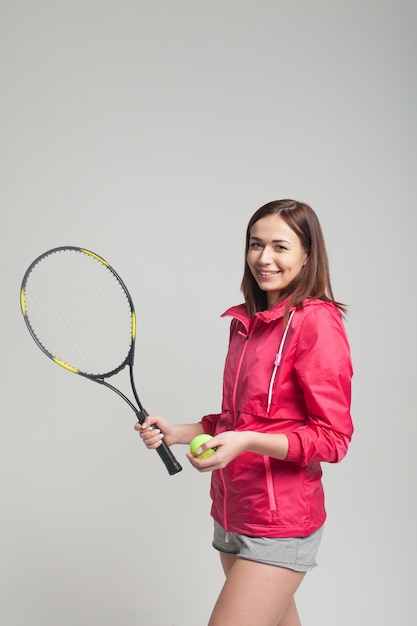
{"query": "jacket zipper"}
(239, 367)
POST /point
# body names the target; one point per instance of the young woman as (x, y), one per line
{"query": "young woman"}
(286, 409)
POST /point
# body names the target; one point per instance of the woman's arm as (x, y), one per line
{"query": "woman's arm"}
(324, 371)
(231, 443)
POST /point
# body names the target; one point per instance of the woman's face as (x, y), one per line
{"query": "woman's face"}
(275, 256)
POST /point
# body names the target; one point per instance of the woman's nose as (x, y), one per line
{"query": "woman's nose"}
(266, 256)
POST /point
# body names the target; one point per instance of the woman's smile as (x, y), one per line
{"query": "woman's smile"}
(265, 274)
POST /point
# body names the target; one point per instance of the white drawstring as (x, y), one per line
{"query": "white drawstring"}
(277, 361)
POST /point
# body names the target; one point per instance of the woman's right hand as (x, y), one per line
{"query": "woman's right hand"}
(154, 429)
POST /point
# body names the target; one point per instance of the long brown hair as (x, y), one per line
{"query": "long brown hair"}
(313, 281)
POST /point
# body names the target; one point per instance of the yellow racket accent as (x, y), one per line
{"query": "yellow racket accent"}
(66, 366)
(95, 256)
(133, 326)
(22, 301)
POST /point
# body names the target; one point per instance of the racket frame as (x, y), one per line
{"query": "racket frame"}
(163, 449)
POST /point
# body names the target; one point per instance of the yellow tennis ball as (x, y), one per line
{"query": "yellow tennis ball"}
(197, 442)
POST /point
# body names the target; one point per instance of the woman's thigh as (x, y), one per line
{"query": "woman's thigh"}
(227, 561)
(254, 593)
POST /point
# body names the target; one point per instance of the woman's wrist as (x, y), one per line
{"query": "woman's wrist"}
(185, 433)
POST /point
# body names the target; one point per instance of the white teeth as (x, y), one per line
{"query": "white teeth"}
(268, 273)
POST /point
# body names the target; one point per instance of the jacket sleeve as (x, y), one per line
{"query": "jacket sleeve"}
(209, 423)
(324, 371)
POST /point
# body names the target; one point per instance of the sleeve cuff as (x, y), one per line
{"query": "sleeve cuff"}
(295, 451)
(208, 423)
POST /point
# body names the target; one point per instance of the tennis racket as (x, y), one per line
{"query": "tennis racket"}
(81, 315)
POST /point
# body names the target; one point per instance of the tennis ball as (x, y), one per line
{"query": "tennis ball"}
(197, 442)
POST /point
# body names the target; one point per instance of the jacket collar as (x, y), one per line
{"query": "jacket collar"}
(269, 315)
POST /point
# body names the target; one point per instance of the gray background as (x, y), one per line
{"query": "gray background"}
(149, 132)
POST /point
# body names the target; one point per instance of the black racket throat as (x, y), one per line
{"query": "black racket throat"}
(172, 465)
(140, 413)
(164, 451)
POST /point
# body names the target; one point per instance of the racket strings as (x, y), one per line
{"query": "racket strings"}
(79, 311)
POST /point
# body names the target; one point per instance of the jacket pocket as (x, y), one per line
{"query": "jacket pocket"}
(270, 484)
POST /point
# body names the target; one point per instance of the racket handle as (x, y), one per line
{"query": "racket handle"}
(163, 450)
(169, 459)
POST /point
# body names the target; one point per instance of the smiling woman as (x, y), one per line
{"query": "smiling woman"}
(285, 410)
(275, 257)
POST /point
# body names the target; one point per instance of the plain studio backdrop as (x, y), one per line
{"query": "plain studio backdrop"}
(149, 132)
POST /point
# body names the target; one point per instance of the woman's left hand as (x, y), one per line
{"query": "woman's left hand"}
(228, 445)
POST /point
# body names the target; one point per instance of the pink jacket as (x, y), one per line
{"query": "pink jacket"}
(294, 380)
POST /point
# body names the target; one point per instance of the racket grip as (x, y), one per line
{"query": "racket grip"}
(163, 450)
(168, 458)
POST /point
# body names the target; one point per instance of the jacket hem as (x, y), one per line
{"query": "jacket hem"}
(276, 531)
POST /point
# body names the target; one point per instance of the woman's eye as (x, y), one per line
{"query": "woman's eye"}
(255, 244)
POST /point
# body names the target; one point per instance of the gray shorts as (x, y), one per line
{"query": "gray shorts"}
(296, 553)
